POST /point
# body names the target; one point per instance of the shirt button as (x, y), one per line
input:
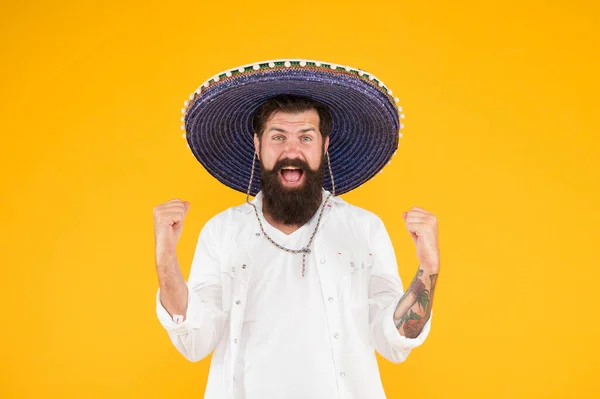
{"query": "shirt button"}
(238, 302)
(243, 266)
(336, 335)
(342, 374)
(235, 341)
(322, 260)
(233, 269)
(330, 299)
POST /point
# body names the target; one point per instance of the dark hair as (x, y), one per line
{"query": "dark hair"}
(292, 104)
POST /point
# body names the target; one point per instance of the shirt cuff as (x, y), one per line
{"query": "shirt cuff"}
(191, 316)
(399, 342)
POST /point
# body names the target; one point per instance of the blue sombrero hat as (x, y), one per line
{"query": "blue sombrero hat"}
(365, 119)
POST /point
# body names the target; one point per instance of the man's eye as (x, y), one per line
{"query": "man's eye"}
(277, 137)
(306, 138)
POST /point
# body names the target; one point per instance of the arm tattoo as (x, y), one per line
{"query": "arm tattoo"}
(414, 308)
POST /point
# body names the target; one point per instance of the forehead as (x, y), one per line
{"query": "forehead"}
(309, 117)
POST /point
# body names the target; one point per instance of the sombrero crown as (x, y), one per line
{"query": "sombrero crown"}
(365, 119)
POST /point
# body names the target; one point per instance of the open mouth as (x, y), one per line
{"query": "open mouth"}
(291, 175)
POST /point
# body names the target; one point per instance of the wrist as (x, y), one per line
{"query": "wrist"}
(165, 259)
(430, 268)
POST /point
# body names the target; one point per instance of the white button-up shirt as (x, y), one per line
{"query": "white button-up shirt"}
(276, 334)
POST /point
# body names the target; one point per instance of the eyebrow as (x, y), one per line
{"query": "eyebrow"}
(278, 129)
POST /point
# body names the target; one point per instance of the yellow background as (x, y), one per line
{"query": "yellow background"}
(501, 143)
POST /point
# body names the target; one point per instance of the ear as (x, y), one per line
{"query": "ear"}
(326, 145)
(257, 146)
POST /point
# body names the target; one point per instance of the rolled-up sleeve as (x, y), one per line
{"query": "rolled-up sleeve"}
(197, 336)
(385, 291)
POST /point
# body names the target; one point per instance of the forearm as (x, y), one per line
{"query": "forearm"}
(173, 289)
(204, 320)
(414, 308)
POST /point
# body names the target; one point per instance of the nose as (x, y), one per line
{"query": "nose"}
(292, 149)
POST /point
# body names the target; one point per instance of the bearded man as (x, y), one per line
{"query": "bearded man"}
(297, 289)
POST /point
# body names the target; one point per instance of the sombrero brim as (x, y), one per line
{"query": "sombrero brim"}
(365, 120)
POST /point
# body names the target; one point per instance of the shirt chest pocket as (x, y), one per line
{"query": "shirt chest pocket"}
(234, 278)
(356, 267)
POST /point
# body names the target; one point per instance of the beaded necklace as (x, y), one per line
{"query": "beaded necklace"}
(306, 249)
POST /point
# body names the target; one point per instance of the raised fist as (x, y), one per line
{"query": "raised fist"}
(168, 224)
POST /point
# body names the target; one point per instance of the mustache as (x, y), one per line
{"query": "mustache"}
(295, 163)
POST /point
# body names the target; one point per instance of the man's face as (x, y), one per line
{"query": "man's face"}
(295, 137)
(291, 153)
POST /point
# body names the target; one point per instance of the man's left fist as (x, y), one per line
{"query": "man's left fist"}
(423, 229)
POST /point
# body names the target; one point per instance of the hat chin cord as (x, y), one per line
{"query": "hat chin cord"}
(306, 250)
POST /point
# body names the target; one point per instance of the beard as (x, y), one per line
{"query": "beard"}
(292, 206)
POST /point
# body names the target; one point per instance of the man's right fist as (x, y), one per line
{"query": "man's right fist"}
(168, 224)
